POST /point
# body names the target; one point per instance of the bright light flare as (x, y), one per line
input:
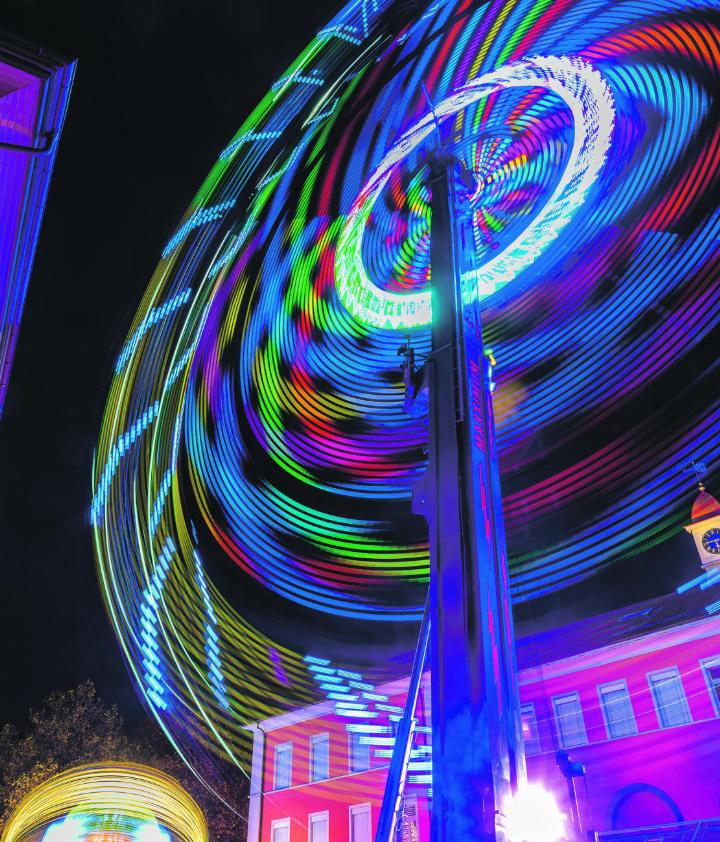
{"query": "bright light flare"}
(532, 815)
(70, 829)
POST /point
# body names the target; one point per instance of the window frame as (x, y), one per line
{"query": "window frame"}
(676, 672)
(280, 746)
(353, 809)
(712, 661)
(559, 698)
(613, 685)
(319, 814)
(322, 736)
(530, 707)
(279, 823)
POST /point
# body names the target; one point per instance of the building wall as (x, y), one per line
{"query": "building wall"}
(656, 767)
(34, 93)
(658, 776)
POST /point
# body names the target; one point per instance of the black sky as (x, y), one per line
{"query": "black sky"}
(161, 87)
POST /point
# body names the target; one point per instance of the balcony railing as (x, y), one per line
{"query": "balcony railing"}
(707, 830)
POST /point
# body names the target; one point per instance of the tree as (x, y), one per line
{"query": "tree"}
(71, 728)
(74, 727)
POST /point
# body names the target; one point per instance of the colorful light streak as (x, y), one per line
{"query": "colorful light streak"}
(270, 416)
(199, 218)
(367, 706)
(84, 827)
(150, 609)
(122, 802)
(155, 315)
(587, 96)
(212, 641)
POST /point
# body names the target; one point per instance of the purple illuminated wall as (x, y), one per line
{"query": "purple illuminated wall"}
(34, 93)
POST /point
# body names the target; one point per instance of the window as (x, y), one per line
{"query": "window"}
(569, 719)
(318, 827)
(669, 697)
(360, 823)
(711, 668)
(281, 830)
(530, 733)
(319, 757)
(617, 710)
(359, 754)
(283, 766)
(410, 827)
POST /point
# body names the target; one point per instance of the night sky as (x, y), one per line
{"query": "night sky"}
(160, 89)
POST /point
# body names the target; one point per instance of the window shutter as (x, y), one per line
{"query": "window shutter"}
(531, 735)
(318, 829)
(359, 824)
(618, 710)
(320, 749)
(570, 722)
(281, 833)
(283, 766)
(669, 696)
(359, 754)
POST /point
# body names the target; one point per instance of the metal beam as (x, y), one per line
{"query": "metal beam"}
(397, 773)
(477, 751)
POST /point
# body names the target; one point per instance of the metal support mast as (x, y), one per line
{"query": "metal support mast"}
(477, 750)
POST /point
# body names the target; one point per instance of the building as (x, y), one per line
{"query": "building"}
(34, 93)
(631, 697)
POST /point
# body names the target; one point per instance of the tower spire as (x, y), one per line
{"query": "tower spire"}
(704, 523)
(699, 469)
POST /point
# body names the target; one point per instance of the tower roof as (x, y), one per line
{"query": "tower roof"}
(705, 506)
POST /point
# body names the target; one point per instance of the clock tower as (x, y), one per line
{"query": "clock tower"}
(704, 526)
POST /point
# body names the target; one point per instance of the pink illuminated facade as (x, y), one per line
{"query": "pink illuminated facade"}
(633, 696)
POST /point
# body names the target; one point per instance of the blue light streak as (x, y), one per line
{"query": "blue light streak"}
(128, 438)
(149, 607)
(197, 219)
(248, 137)
(154, 315)
(212, 640)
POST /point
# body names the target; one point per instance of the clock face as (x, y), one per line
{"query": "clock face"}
(711, 541)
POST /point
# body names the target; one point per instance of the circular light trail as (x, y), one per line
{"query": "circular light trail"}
(251, 491)
(590, 102)
(119, 802)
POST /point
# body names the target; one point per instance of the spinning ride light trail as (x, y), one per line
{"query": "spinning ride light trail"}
(117, 802)
(589, 99)
(258, 425)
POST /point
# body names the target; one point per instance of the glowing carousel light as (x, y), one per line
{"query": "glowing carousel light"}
(108, 802)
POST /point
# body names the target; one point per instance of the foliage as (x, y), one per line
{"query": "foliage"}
(225, 825)
(74, 727)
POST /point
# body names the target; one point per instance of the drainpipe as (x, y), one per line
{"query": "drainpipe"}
(254, 825)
